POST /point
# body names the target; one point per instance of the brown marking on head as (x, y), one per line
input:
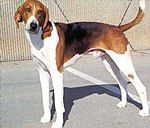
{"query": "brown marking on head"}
(131, 76)
(32, 8)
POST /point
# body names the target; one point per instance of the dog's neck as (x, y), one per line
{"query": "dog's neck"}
(36, 40)
(46, 32)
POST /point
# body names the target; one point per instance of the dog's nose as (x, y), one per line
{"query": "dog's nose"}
(33, 26)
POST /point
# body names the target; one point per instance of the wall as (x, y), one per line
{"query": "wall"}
(13, 44)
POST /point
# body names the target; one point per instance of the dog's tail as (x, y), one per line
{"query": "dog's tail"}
(138, 18)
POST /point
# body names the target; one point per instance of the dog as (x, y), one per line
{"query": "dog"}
(55, 46)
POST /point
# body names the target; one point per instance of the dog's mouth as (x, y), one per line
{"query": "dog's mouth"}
(33, 31)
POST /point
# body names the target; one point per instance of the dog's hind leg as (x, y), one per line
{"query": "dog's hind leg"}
(115, 72)
(124, 62)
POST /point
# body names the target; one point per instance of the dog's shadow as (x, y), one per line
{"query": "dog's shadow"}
(72, 94)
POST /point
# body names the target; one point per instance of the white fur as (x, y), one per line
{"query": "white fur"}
(75, 58)
(44, 79)
(97, 54)
(115, 72)
(142, 4)
(124, 63)
(29, 21)
(44, 52)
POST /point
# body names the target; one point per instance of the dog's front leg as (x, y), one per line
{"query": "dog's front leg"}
(57, 80)
(44, 79)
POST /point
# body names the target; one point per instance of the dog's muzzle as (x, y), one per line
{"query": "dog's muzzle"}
(34, 28)
(32, 25)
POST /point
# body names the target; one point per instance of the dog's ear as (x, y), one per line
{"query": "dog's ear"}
(18, 16)
(46, 11)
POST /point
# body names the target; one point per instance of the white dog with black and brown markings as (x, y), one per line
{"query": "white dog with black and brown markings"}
(55, 46)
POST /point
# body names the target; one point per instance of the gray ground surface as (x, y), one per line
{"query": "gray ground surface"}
(87, 105)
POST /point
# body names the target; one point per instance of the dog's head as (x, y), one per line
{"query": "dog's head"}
(34, 14)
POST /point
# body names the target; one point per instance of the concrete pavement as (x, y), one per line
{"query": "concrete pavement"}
(87, 104)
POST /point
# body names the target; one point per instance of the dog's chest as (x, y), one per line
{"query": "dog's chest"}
(46, 56)
(42, 57)
(44, 50)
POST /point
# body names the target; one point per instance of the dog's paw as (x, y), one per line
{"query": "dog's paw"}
(45, 119)
(121, 104)
(57, 124)
(144, 113)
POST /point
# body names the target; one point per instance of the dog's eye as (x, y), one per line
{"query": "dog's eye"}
(28, 10)
(39, 12)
